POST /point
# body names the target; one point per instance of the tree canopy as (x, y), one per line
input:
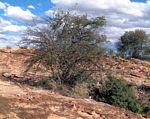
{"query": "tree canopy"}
(132, 44)
(68, 44)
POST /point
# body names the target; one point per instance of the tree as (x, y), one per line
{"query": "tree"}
(67, 45)
(132, 44)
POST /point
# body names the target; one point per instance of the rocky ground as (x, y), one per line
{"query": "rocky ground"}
(134, 70)
(23, 102)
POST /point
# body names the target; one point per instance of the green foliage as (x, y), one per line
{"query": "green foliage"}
(23, 47)
(116, 92)
(68, 44)
(145, 99)
(146, 109)
(133, 44)
(79, 88)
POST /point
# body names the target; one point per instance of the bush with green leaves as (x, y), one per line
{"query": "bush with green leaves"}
(116, 92)
(65, 44)
(77, 87)
(146, 109)
(144, 98)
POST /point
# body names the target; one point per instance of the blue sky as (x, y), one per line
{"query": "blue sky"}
(121, 15)
(40, 5)
(138, 0)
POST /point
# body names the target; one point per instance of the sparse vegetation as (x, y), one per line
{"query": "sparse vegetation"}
(146, 109)
(66, 55)
(23, 47)
(116, 92)
(69, 47)
(8, 47)
(133, 44)
(79, 89)
(70, 44)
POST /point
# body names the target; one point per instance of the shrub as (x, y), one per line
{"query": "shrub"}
(81, 87)
(80, 90)
(146, 109)
(77, 87)
(44, 83)
(79, 77)
(116, 92)
(144, 98)
(23, 47)
(8, 47)
(66, 44)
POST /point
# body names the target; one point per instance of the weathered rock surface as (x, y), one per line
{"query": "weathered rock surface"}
(133, 70)
(22, 102)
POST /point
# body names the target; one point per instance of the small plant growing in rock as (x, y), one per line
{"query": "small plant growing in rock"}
(8, 47)
(23, 47)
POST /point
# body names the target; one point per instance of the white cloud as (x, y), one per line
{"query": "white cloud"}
(14, 28)
(31, 7)
(49, 12)
(124, 6)
(9, 40)
(7, 26)
(10, 31)
(19, 14)
(121, 15)
(2, 5)
(3, 22)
